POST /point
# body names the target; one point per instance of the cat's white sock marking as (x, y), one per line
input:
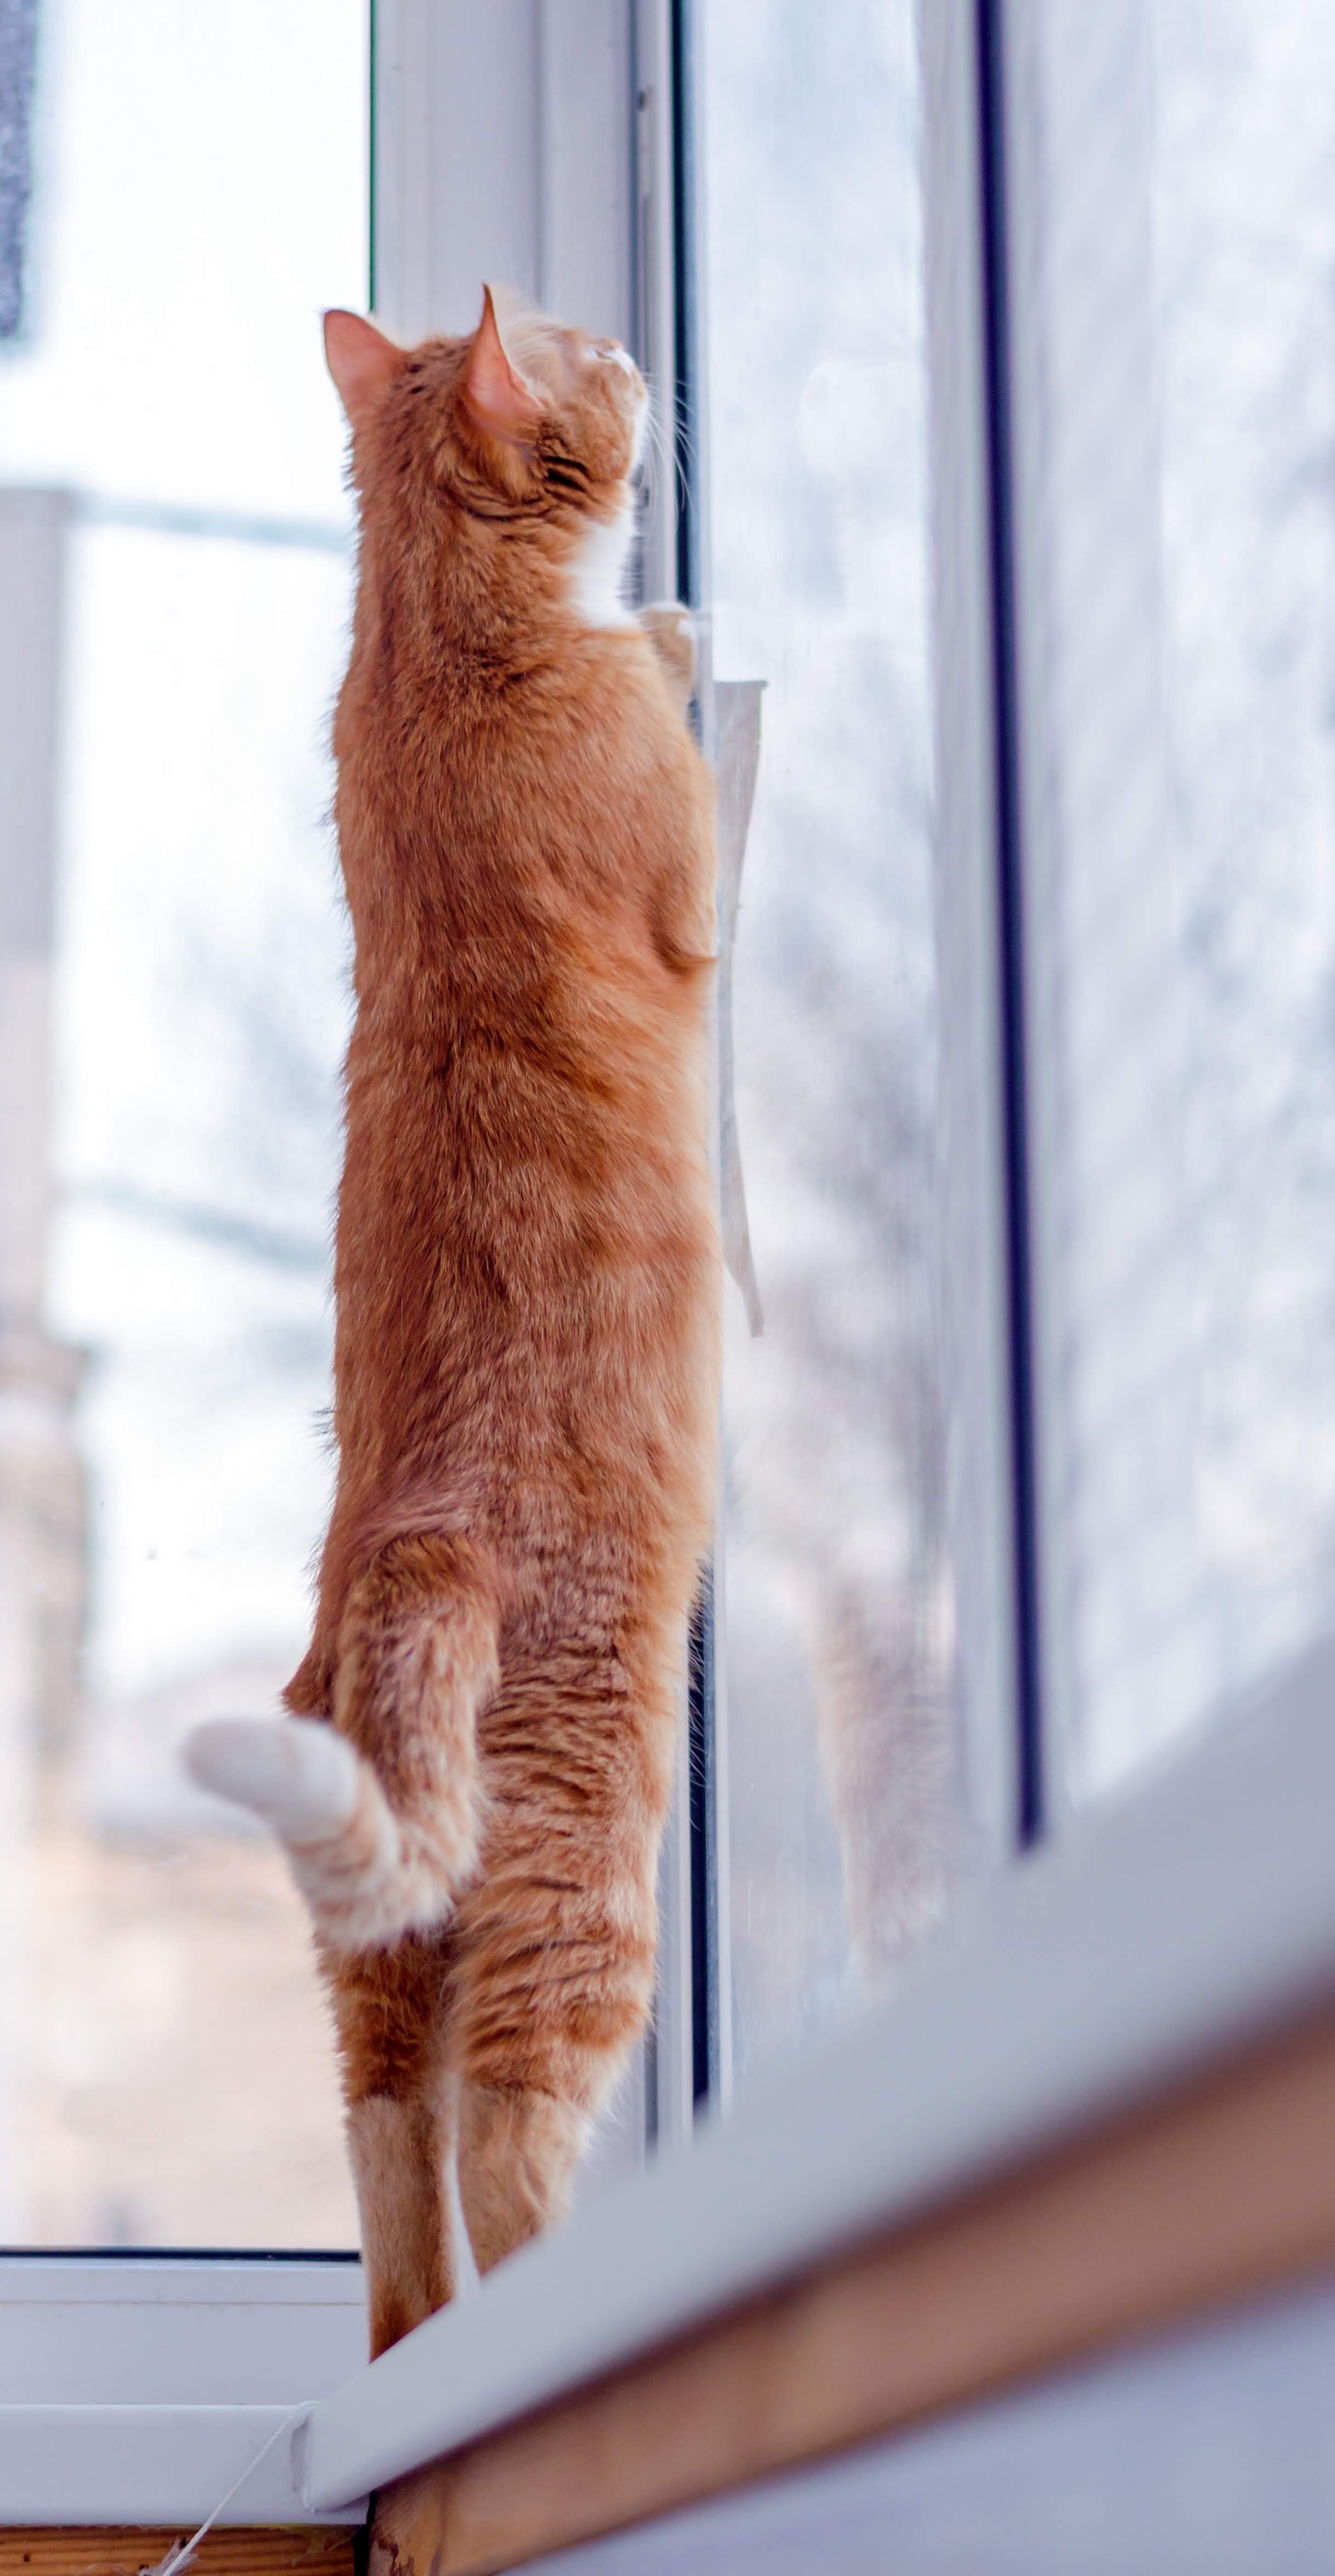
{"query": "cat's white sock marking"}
(296, 1772)
(598, 571)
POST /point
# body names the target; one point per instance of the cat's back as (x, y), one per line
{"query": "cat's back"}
(526, 1263)
(529, 860)
(526, 1184)
(471, 775)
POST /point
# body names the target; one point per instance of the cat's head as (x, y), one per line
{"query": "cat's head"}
(524, 421)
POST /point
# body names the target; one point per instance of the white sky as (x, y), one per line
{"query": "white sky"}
(201, 194)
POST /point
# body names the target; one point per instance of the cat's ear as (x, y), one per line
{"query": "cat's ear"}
(494, 391)
(361, 361)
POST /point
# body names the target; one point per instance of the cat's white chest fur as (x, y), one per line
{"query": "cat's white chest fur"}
(598, 571)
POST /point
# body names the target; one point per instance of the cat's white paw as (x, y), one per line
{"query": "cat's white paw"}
(298, 1773)
(671, 631)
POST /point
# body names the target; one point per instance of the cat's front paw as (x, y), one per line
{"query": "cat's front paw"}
(671, 631)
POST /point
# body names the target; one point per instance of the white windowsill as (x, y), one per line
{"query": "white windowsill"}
(149, 2465)
(134, 2388)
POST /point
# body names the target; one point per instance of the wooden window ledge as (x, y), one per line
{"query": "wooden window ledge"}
(1217, 2191)
(88, 2552)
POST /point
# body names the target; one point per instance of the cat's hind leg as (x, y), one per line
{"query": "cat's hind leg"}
(556, 1948)
(391, 2012)
(379, 1814)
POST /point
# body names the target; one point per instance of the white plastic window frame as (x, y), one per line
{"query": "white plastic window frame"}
(535, 139)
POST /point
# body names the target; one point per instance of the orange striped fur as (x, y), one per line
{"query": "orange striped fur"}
(526, 1285)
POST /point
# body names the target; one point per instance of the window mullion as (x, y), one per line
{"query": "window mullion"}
(1011, 925)
(976, 1161)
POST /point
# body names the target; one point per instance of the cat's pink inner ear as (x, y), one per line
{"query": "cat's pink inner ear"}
(494, 390)
(361, 361)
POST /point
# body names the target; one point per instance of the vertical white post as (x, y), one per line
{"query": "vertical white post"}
(457, 186)
(586, 164)
(503, 152)
(974, 1213)
(41, 1535)
(654, 339)
(655, 275)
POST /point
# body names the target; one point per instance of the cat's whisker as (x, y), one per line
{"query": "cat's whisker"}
(668, 459)
(670, 453)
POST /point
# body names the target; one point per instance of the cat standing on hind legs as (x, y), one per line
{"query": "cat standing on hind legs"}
(473, 1782)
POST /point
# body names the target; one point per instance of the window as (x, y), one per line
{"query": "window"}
(1172, 405)
(993, 349)
(174, 523)
(846, 1797)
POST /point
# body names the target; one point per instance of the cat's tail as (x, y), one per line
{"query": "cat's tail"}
(380, 1812)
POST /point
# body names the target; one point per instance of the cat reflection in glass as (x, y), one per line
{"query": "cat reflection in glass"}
(473, 1779)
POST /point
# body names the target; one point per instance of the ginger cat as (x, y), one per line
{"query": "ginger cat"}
(473, 1783)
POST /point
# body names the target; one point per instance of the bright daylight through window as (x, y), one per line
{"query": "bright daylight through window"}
(166, 2075)
(992, 354)
(847, 1800)
(1179, 394)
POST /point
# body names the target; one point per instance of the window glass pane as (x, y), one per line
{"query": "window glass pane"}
(1187, 928)
(836, 1609)
(172, 965)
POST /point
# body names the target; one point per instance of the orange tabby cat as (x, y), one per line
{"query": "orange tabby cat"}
(526, 1280)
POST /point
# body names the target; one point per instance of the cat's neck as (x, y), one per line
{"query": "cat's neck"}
(485, 597)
